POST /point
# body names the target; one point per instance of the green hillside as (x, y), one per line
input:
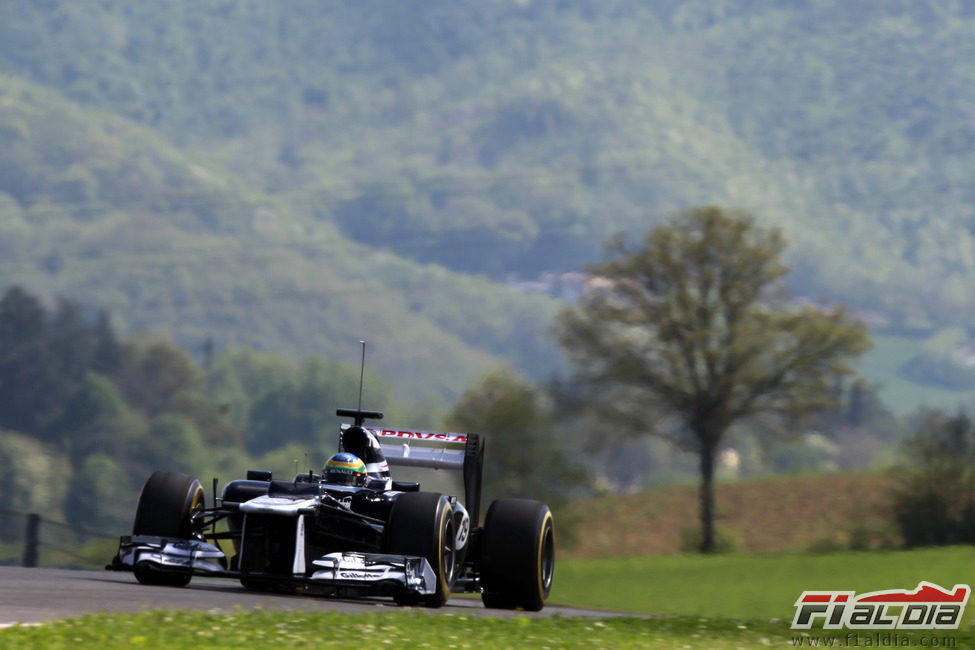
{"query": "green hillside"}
(102, 210)
(204, 168)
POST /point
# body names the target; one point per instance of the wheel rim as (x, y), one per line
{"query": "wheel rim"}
(546, 558)
(192, 521)
(448, 552)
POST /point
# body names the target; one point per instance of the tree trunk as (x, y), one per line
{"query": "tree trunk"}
(707, 497)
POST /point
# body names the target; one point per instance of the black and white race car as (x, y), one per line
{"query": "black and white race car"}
(352, 530)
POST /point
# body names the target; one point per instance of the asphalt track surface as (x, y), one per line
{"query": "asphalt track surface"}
(37, 595)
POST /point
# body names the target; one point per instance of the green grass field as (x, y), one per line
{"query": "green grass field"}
(722, 601)
(749, 587)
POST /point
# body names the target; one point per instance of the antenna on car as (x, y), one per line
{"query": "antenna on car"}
(358, 414)
(362, 373)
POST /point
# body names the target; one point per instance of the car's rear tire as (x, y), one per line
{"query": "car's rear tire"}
(165, 509)
(422, 524)
(517, 554)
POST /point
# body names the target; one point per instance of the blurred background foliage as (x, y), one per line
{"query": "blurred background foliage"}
(397, 169)
(204, 206)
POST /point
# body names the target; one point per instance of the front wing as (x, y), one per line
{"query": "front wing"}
(349, 573)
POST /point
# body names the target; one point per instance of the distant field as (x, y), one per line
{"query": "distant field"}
(788, 534)
(901, 396)
(776, 514)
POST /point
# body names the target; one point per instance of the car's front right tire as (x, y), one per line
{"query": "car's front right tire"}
(166, 507)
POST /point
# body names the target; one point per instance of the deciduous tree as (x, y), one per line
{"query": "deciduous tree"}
(692, 333)
(934, 496)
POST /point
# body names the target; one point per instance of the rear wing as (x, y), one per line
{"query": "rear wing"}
(434, 450)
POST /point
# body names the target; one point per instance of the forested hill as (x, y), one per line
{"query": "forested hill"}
(103, 211)
(503, 139)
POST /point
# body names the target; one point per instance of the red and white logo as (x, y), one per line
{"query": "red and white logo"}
(436, 436)
(929, 607)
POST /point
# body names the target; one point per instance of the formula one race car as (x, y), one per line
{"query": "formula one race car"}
(351, 530)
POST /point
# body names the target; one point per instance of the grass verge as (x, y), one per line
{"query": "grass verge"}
(416, 630)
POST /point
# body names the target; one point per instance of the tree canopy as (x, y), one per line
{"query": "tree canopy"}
(934, 497)
(524, 456)
(100, 413)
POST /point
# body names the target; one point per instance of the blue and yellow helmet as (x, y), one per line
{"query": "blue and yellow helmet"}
(345, 469)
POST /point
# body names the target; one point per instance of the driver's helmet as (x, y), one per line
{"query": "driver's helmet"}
(345, 469)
